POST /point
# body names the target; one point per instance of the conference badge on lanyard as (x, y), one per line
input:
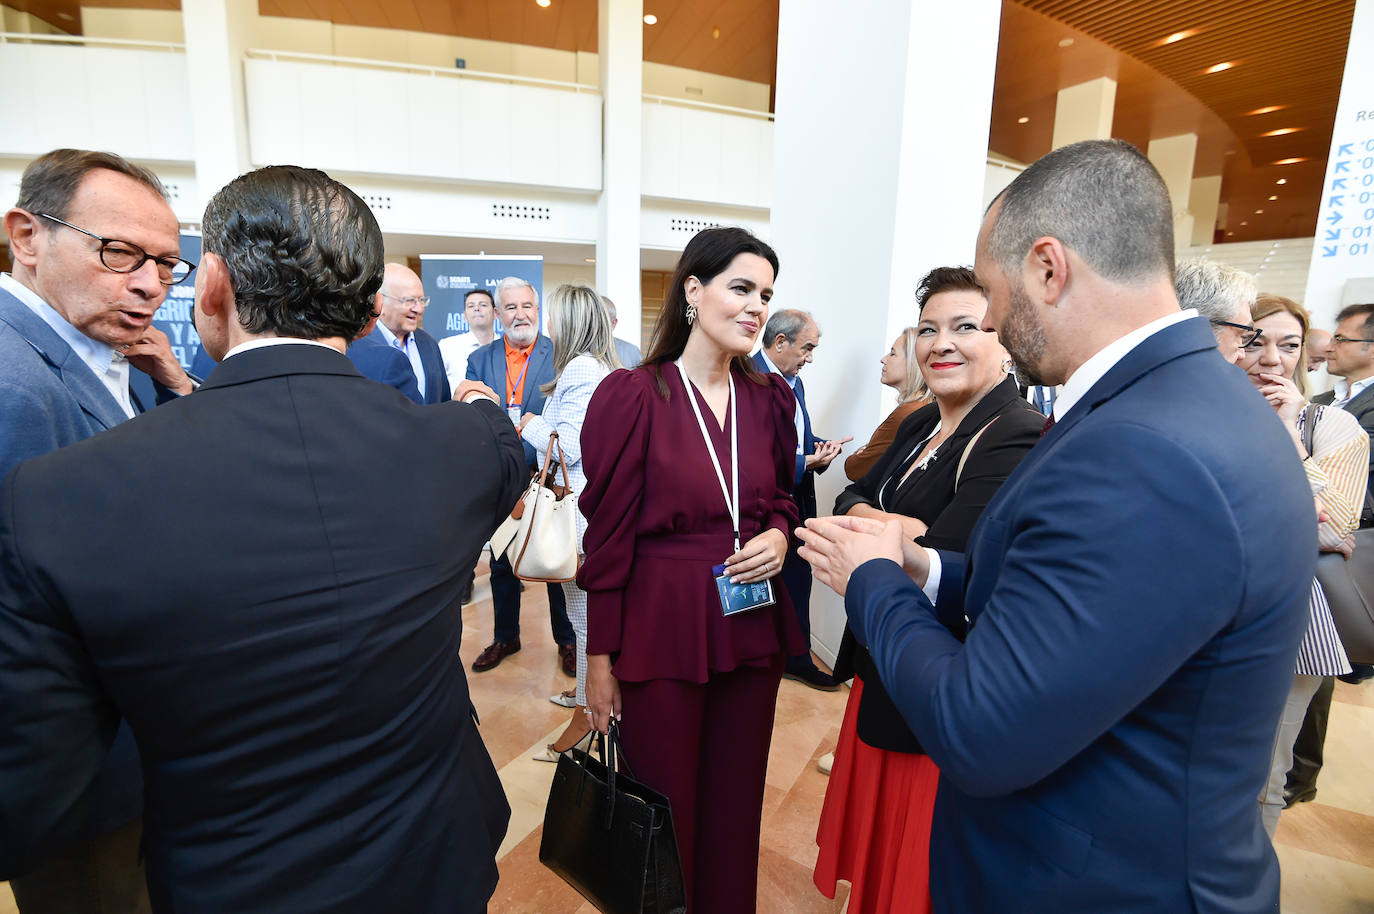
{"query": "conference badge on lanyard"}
(734, 598)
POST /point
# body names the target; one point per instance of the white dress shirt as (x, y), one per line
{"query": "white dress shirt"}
(273, 341)
(797, 418)
(1345, 391)
(411, 351)
(1078, 384)
(455, 350)
(107, 364)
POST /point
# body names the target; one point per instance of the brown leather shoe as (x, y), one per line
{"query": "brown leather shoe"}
(494, 654)
(568, 654)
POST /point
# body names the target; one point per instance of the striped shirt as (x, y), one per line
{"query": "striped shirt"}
(1337, 472)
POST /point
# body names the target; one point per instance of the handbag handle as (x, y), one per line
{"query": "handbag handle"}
(612, 751)
(562, 462)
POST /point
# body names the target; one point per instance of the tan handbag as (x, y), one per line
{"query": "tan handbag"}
(540, 536)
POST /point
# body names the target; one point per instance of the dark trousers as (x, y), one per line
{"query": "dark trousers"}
(505, 600)
(101, 876)
(706, 748)
(1307, 748)
(796, 580)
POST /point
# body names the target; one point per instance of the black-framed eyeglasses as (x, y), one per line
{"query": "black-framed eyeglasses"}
(126, 257)
(1252, 334)
(422, 301)
(1348, 339)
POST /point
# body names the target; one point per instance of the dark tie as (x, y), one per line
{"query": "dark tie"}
(1049, 424)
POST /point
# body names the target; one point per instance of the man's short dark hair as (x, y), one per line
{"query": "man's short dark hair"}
(51, 180)
(303, 251)
(1102, 199)
(471, 292)
(1366, 328)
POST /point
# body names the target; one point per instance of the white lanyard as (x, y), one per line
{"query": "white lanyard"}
(731, 501)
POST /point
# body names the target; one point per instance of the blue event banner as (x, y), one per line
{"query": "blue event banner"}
(448, 277)
(175, 319)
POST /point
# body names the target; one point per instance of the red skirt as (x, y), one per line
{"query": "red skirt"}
(875, 825)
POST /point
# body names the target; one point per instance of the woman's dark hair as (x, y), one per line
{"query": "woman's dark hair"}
(947, 279)
(303, 251)
(707, 255)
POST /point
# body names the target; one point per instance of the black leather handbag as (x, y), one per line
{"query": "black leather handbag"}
(1348, 584)
(610, 837)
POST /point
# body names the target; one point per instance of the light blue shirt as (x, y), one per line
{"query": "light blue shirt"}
(411, 351)
(111, 368)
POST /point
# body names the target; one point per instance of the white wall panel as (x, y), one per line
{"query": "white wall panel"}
(374, 121)
(707, 156)
(134, 102)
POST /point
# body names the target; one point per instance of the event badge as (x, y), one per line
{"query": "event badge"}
(514, 413)
(738, 598)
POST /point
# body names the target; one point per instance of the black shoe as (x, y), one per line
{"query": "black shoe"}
(494, 654)
(814, 678)
(467, 591)
(1358, 674)
(1293, 799)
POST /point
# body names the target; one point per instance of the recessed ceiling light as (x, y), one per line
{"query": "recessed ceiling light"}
(1023, 120)
(1281, 181)
(1229, 234)
(1218, 67)
(1274, 197)
(589, 260)
(650, 19)
(1292, 161)
(715, 32)
(1259, 212)
(66, 17)
(543, 3)
(1066, 42)
(1245, 223)
(1267, 109)
(1282, 131)
(1176, 36)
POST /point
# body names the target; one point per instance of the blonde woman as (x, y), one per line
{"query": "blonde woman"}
(583, 354)
(902, 374)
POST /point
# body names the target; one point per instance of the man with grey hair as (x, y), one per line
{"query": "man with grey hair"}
(789, 341)
(1223, 295)
(627, 352)
(1105, 730)
(517, 366)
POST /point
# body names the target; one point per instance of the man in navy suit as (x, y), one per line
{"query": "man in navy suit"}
(1137, 589)
(75, 323)
(290, 672)
(790, 339)
(517, 366)
(383, 363)
(401, 302)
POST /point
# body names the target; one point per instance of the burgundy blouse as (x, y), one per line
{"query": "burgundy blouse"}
(657, 521)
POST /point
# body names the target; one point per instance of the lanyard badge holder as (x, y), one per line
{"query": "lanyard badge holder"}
(734, 598)
(514, 409)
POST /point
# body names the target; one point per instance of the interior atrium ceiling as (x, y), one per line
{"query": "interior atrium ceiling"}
(1284, 58)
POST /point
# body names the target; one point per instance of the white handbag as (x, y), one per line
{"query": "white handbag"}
(540, 536)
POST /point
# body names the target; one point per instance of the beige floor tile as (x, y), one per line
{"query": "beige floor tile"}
(7, 905)
(1317, 884)
(1347, 776)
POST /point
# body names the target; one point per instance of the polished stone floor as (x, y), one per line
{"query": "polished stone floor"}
(1326, 847)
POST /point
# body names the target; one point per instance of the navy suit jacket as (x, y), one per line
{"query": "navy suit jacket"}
(291, 672)
(488, 365)
(379, 361)
(436, 378)
(1137, 589)
(49, 398)
(804, 483)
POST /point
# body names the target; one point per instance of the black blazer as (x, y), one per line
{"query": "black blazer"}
(929, 495)
(1362, 408)
(239, 576)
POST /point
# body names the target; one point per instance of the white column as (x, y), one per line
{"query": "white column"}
(1084, 111)
(217, 33)
(1344, 247)
(1173, 156)
(873, 185)
(620, 47)
(1204, 200)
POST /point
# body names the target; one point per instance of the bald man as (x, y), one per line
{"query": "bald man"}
(401, 302)
(1318, 348)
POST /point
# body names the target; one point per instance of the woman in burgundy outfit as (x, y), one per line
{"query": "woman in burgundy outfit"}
(695, 688)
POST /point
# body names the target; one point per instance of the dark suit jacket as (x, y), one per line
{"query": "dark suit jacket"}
(488, 365)
(291, 672)
(436, 379)
(379, 361)
(1362, 407)
(949, 514)
(1104, 732)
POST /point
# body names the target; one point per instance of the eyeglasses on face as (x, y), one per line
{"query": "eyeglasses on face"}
(1252, 334)
(1348, 339)
(126, 257)
(422, 302)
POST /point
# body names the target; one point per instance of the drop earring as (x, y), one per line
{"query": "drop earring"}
(691, 313)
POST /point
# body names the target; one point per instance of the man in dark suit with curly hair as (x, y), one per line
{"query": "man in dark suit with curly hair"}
(291, 672)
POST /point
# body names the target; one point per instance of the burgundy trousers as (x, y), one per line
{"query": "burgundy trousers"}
(705, 746)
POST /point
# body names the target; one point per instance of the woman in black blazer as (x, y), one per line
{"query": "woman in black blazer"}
(945, 465)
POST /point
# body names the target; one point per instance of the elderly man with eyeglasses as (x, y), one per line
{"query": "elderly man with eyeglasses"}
(1223, 295)
(401, 304)
(94, 246)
